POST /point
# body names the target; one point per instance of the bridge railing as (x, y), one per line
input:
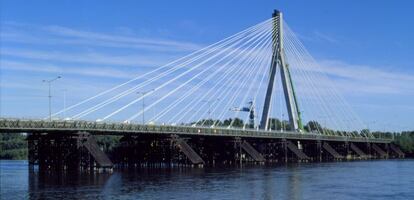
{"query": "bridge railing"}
(16, 125)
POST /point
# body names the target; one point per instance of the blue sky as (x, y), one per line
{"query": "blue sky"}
(97, 44)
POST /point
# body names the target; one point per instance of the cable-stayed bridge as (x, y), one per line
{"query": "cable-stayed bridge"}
(257, 96)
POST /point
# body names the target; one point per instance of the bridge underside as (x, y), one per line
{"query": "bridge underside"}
(72, 145)
(77, 151)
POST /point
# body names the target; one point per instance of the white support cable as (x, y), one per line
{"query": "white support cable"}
(236, 91)
(139, 86)
(273, 103)
(168, 82)
(147, 82)
(298, 62)
(155, 70)
(311, 86)
(200, 97)
(289, 45)
(280, 90)
(305, 75)
(233, 85)
(250, 93)
(171, 92)
(288, 61)
(197, 86)
(225, 93)
(247, 64)
(196, 101)
(257, 62)
(160, 68)
(275, 47)
(187, 110)
(298, 59)
(190, 92)
(267, 54)
(335, 93)
(272, 46)
(224, 89)
(216, 91)
(195, 67)
(222, 92)
(187, 94)
(239, 89)
(335, 111)
(267, 63)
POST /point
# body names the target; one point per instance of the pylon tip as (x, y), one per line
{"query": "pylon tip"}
(276, 13)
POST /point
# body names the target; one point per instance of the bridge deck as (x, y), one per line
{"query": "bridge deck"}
(101, 128)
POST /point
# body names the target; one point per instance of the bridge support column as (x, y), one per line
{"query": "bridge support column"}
(387, 150)
(63, 152)
(369, 151)
(297, 149)
(379, 152)
(255, 155)
(319, 150)
(285, 150)
(272, 151)
(32, 146)
(358, 151)
(349, 155)
(396, 151)
(188, 151)
(332, 153)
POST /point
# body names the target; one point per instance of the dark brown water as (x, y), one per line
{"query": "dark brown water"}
(389, 179)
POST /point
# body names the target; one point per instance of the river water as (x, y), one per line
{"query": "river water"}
(388, 179)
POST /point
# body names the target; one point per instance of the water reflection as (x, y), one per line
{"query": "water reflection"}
(311, 181)
(59, 185)
(251, 183)
(294, 181)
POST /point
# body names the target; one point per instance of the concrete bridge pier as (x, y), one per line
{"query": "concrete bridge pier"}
(61, 152)
(369, 150)
(395, 151)
(285, 150)
(334, 151)
(319, 151)
(380, 150)
(358, 151)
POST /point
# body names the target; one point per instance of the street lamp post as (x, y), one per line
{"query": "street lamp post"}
(143, 104)
(210, 102)
(371, 123)
(64, 103)
(49, 82)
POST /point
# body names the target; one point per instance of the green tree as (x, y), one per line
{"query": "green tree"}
(13, 146)
(313, 126)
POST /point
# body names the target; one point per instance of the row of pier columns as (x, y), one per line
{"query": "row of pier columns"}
(80, 151)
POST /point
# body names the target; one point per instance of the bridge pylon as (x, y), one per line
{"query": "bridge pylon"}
(279, 60)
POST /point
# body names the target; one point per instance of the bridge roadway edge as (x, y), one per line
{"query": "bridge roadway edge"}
(97, 128)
